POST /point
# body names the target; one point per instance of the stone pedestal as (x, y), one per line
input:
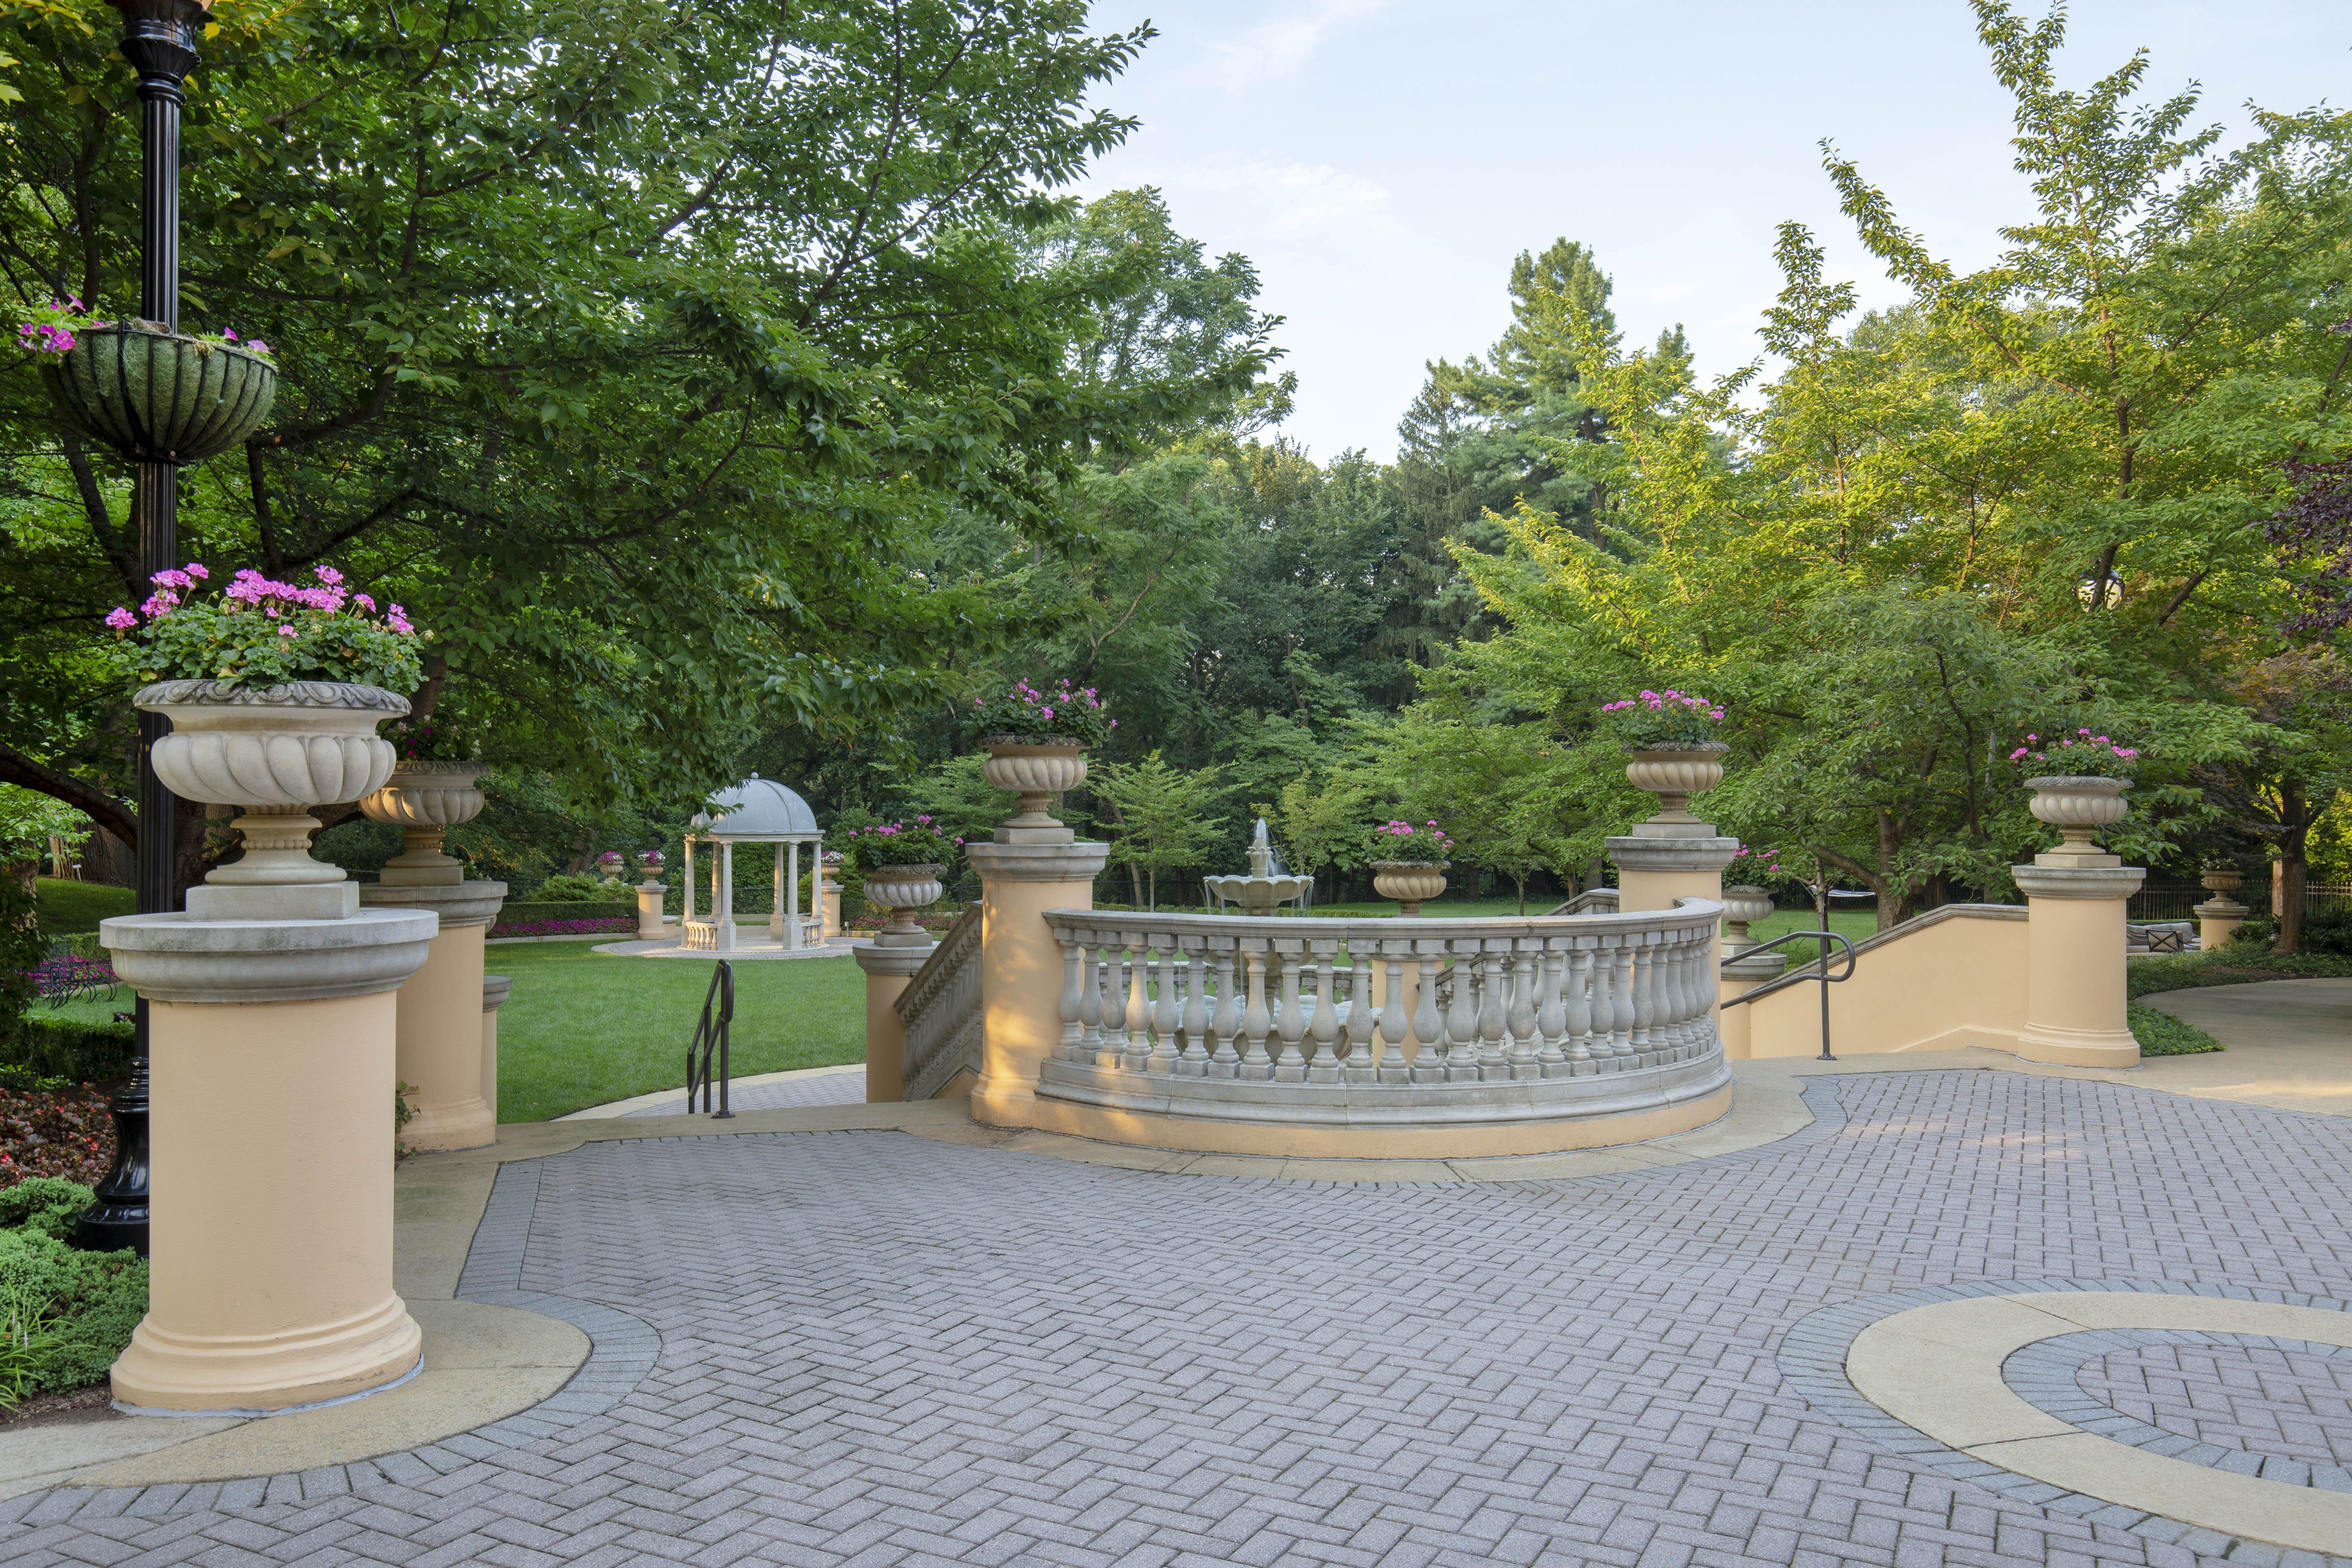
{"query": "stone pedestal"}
(441, 1014)
(829, 906)
(2218, 920)
(1663, 860)
(271, 1134)
(1741, 973)
(887, 971)
(2076, 1009)
(1021, 963)
(649, 911)
(495, 988)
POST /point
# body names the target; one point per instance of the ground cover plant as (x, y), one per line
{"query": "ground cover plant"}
(65, 1314)
(583, 1028)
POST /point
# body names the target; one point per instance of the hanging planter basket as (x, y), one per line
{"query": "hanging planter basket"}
(155, 396)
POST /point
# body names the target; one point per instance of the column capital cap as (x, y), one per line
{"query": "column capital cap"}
(170, 958)
(876, 959)
(1758, 967)
(495, 988)
(1646, 854)
(458, 903)
(2079, 881)
(1076, 862)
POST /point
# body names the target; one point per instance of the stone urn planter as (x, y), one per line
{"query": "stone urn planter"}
(276, 752)
(158, 396)
(1409, 881)
(425, 800)
(1741, 908)
(1674, 775)
(905, 891)
(2078, 808)
(2220, 879)
(1036, 772)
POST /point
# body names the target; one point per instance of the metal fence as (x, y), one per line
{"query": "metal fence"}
(2165, 902)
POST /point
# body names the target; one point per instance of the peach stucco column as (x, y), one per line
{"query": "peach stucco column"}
(495, 991)
(441, 1032)
(1021, 964)
(887, 971)
(2077, 1012)
(1662, 862)
(271, 1137)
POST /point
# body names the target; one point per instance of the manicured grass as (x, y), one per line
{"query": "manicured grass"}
(581, 1028)
(70, 906)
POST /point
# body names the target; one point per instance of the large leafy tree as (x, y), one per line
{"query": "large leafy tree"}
(639, 350)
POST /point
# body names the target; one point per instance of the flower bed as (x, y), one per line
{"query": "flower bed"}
(69, 976)
(52, 1127)
(562, 928)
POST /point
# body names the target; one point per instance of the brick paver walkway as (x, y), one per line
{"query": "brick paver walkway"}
(2258, 1398)
(831, 1088)
(881, 1350)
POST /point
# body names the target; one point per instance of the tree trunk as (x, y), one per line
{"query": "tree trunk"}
(1154, 905)
(1521, 878)
(2294, 819)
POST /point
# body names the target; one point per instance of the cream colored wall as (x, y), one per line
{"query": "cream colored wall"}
(886, 1040)
(271, 1141)
(1958, 981)
(441, 1039)
(1021, 992)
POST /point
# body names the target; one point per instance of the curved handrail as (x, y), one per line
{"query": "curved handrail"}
(1818, 972)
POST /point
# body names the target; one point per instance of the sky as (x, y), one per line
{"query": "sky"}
(1382, 161)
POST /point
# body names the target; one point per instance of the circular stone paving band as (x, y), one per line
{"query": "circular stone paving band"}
(1942, 1376)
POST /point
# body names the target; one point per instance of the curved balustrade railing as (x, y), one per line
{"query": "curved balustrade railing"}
(940, 1010)
(1386, 1022)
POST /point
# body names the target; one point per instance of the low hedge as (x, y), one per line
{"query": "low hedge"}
(65, 1314)
(520, 912)
(73, 1050)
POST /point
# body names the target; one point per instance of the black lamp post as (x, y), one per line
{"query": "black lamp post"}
(159, 39)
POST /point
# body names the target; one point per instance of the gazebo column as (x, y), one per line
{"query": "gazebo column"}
(724, 903)
(792, 931)
(688, 913)
(776, 903)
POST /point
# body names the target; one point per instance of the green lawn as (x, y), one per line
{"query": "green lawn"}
(581, 1028)
(70, 906)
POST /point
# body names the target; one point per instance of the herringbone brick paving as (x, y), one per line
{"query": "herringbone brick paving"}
(2258, 1398)
(881, 1350)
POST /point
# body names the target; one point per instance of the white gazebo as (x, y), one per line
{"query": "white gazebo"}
(757, 811)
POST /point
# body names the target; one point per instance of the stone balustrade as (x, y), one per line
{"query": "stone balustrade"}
(941, 1010)
(1386, 1022)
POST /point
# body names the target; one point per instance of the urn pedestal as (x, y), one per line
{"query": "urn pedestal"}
(1037, 773)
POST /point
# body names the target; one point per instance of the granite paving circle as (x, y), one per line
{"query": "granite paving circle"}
(878, 1349)
(2257, 1398)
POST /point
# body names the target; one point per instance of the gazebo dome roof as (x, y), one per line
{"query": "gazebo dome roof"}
(757, 808)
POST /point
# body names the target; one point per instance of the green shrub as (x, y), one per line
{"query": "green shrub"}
(2328, 930)
(571, 889)
(2162, 1034)
(515, 912)
(66, 1313)
(71, 906)
(67, 1049)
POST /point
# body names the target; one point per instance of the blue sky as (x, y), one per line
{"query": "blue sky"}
(1381, 162)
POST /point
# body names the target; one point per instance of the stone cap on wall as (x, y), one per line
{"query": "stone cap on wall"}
(170, 958)
(1076, 862)
(2079, 881)
(458, 903)
(1645, 853)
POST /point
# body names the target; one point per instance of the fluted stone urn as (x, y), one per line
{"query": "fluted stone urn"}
(905, 891)
(274, 751)
(2078, 808)
(1036, 772)
(2220, 879)
(1741, 908)
(425, 800)
(1675, 775)
(1409, 882)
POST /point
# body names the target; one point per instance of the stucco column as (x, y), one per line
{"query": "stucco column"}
(1739, 974)
(1662, 862)
(1021, 964)
(2077, 1014)
(495, 990)
(441, 1016)
(829, 903)
(887, 971)
(271, 1137)
(722, 909)
(649, 911)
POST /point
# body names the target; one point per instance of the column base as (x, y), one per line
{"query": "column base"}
(2076, 1047)
(259, 1374)
(468, 1124)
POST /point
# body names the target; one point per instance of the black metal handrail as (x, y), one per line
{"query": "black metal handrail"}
(1818, 970)
(711, 1035)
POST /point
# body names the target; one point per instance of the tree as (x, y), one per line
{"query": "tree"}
(1319, 822)
(1160, 819)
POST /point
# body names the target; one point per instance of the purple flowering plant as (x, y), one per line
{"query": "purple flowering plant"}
(1423, 843)
(1666, 721)
(1066, 715)
(921, 842)
(52, 330)
(257, 632)
(2082, 754)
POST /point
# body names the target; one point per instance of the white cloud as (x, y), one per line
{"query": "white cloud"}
(1277, 49)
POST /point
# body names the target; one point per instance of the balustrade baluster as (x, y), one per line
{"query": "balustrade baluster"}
(1645, 997)
(1428, 1023)
(1167, 1014)
(1074, 1033)
(1620, 1002)
(1090, 1011)
(1113, 1053)
(1138, 1006)
(1195, 1061)
(1290, 1067)
(1524, 1042)
(1226, 1022)
(1578, 999)
(1462, 1018)
(1395, 1022)
(1362, 1021)
(1690, 1006)
(1323, 1025)
(1493, 1012)
(1257, 1021)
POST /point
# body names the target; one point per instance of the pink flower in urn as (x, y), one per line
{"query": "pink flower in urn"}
(120, 619)
(286, 631)
(365, 603)
(197, 568)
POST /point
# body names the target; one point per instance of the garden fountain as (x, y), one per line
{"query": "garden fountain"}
(1266, 887)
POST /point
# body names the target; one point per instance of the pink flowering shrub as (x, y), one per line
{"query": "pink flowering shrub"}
(1397, 839)
(598, 927)
(2079, 755)
(1666, 721)
(916, 843)
(260, 633)
(1072, 715)
(52, 330)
